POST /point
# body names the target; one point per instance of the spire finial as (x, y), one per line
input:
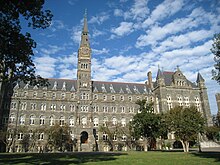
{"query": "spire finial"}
(85, 26)
(85, 15)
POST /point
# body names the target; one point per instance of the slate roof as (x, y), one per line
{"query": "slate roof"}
(168, 78)
(59, 84)
(119, 87)
(97, 86)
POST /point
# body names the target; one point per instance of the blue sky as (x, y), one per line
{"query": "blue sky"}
(131, 37)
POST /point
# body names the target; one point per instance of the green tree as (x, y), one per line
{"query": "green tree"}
(146, 124)
(186, 123)
(59, 137)
(216, 51)
(117, 135)
(212, 132)
(16, 48)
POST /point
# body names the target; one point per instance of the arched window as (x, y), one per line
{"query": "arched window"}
(96, 122)
(114, 121)
(32, 120)
(22, 120)
(71, 121)
(62, 121)
(12, 118)
(42, 120)
(84, 121)
(51, 121)
(123, 122)
(105, 120)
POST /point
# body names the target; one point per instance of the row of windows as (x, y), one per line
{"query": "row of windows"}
(62, 121)
(45, 95)
(41, 136)
(121, 98)
(197, 105)
(83, 108)
(84, 96)
(185, 98)
(20, 136)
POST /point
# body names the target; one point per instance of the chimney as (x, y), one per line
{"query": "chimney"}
(150, 83)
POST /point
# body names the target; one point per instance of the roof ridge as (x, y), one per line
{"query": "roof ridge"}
(61, 79)
(113, 82)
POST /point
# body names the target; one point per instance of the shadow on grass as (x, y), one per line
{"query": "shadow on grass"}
(58, 158)
(206, 154)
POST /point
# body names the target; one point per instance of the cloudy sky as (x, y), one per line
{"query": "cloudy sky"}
(131, 37)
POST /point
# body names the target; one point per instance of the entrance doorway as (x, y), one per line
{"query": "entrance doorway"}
(84, 137)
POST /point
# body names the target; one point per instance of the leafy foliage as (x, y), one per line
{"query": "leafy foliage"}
(16, 49)
(114, 132)
(213, 133)
(216, 51)
(59, 137)
(186, 123)
(147, 124)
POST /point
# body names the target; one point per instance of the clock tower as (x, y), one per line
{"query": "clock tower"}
(84, 60)
(84, 84)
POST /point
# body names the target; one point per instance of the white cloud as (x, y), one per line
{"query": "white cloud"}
(138, 11)
(45, 66)
(123, 1)
(51, 49)
(183, 40)
(76, 34)
(96, 33)
(102, 51)
(99, 19)
(57, 25)
(125, 28)
(72, 2)
(68, 73)
(118, 12)
(164, 10)
(156, 33)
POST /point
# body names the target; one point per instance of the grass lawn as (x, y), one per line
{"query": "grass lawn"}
(113, 158)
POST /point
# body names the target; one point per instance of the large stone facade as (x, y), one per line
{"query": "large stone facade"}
(84, 104)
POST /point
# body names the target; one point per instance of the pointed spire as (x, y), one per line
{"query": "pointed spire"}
(200, 78)
(159, 74)
(85, 25)
(85, 35)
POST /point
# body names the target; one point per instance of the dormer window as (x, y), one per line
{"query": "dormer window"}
(103, 88)
(112, 89)
(54, 86)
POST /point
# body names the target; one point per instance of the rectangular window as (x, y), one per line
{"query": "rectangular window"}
(113, 98)
(33, 106)
(20, 136)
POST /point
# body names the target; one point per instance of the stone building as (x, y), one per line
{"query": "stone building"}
(84, 104)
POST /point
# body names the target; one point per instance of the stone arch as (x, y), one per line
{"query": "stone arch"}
(84, 137)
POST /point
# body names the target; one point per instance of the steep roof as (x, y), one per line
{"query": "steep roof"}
(97, 86)
(120, 87)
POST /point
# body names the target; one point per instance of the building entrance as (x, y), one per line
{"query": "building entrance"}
(84, 137)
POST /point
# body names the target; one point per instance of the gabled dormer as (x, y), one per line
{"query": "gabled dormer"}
(178, 79)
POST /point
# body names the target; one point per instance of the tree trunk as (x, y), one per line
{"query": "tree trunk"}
(185, 145)
(146, 144)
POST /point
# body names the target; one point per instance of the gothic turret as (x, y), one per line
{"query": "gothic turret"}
(200, 81)
(160, 78)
